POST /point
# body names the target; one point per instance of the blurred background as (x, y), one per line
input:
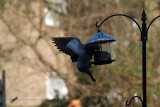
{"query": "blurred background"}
(41, 76)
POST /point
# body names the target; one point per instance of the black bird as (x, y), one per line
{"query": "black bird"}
(80, 53)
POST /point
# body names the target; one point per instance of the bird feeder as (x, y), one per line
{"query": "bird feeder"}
(103, 55)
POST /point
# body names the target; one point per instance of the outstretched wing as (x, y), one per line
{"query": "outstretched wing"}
(68, 45)
(61, 43)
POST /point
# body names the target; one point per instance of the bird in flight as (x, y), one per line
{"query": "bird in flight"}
(80, 53)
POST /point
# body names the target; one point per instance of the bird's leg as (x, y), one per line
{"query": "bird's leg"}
(91, 76)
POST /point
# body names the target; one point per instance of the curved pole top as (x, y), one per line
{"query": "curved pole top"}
(152, 22)
(118, 15)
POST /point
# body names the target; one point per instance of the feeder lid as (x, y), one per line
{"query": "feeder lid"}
(101, 37)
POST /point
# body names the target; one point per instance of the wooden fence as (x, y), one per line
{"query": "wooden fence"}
(2, 91)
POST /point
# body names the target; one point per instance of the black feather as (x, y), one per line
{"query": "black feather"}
(61, 43)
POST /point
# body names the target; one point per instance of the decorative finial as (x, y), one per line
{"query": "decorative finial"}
(143, 15)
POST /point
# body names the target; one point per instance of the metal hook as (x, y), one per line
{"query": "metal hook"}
(118, 15)
(128, 104)
(97, 26)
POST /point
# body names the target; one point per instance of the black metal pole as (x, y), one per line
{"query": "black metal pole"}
(144, 73)
(144, 39)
